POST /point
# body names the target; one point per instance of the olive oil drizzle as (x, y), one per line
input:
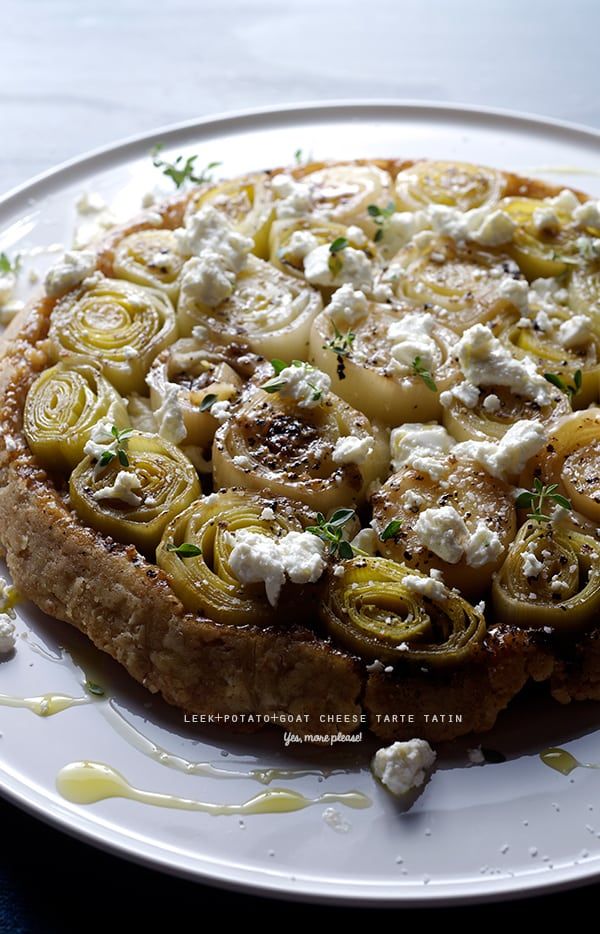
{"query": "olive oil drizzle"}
(563, 761)
(88, 782)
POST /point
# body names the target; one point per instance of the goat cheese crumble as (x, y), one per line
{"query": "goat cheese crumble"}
(403, 765)
(352, 450)
(123, 489)
(297, 556)
(484, 361)
(348, 306)
(75, 266)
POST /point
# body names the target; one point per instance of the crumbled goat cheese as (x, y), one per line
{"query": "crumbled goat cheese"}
(506, 459)
(401, 227)
(169, 417)
(348, 306)
(123, 489)
(242, 461)
(515, 291)
(221, 410)
(90, 202)
(410, 337)
(444, 532)
(587, 214)
(255, 558)
(207, 279)
(545, 220)
(465, 392)
(412, 500)
(422, 446)
(267, 514)
(426, 586)
(565, 202)
(356, 235)
(352, 450)
(7, 634)
(476, 757)
(304, 384)
(354, 267)
(558, 586)
(295, 199)
(491, 403)
(589, 247)
(74, 267)
(532, 566)
(209, 229)
(491, 228)
(218, 253)
(375, 666)
(575, 332)
(300, 244)
(543, 322)
(485, 362)
(101, 441)
(366, 540)
(403, 765)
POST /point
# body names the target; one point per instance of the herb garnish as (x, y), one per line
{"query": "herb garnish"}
(331, 532)
(185, 550)
(537, 498)
(419, 369)
(341, 345)
(391, 530)
(335, 261)
(93, 688)
(118, 447)
(571, 389)
(208, 402)
(6, 267)
(380, 215)
(276, 385)
(182, 171)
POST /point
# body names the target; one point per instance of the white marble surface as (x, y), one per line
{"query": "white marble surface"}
(76, 74)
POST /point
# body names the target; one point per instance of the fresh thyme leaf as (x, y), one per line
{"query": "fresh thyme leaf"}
(374, 210)
(182, 170)
(391, 530)
(339, 244)
(537, 499)
(106, 458)
(331, 532)
(208, 402)
(278, 365)
(273, 385)
(298, 157)
(6, 267)
(123, 459)
(340, 344)
(571, 389)
(93, 688)
(378, 235)
(341, 517)
(420, 370)
(185, 550)
(117, 448)
(345, 550)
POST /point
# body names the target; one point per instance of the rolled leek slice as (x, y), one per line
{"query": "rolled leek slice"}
(121, 325)
(62, 407)
(479, 527)
(551, 577)
(458, 185)
(343, 192)
(540, 251)
(205, 583)
(150, 258)
(247, 202)
(497, 410)
(270, 312)
(561, 345)
(458, 282)
(199, 380)
(391, 379)
(571, 459)
(374, 609)
(165, 483)
(584, 290)
(275, 444)
(287, 255)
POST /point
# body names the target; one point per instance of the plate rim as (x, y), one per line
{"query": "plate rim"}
(243, 879)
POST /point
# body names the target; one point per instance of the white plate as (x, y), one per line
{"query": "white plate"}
(476, 832)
